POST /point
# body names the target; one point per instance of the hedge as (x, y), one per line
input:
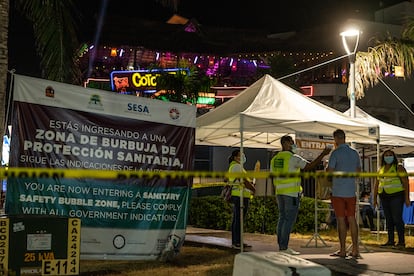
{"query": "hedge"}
(212, 212)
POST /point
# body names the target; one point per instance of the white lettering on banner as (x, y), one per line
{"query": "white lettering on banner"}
(147, 206)
(34, 186)
(129, 145)
(56, 188)
(98, 214)
(112, 192)
(75, 201)
(313, 144)
(42, 211)
(153, 217)
(34, 210)
(163, 207)
(63, 125)
(56, 136)
(33, 159)
(110, 131)
(37, 198)
(97, 166)
(163, 196)
(107, 203)
(136, 205)
(149, 159)
(68, 150)
(78, 189)
(158, 138)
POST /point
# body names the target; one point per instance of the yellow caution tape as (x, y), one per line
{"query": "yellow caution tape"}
(102, 174)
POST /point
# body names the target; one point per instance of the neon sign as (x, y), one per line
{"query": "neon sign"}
(140, 80)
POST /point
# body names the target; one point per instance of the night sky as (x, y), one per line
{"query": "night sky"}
(270, 15)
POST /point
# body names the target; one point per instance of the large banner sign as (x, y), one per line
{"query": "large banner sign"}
(57, 125)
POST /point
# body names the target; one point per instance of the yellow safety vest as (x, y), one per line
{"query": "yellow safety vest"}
(391, 185)
(235, 191)
(285, 185)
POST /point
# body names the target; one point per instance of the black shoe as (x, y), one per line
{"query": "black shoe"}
(400, 246)
(387, 244)
(235, 246)
(246, 245)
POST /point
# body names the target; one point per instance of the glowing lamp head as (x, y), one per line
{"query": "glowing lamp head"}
(351, 34)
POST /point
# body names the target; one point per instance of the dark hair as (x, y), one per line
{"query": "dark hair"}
(285, 138)
(395, 162)
(233, 155)
(339, 133)
(365, 193)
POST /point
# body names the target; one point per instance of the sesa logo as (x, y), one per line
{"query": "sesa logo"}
(138, 108)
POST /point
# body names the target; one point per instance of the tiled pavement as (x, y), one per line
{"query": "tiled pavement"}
(374, 261)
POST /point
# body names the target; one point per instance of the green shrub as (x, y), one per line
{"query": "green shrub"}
(212, 212)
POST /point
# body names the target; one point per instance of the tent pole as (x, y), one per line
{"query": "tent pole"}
(241, 187)
(378, 167)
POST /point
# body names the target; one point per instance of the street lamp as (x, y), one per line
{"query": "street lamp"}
(353, 35)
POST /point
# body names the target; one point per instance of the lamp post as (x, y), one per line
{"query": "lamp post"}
(352, 34)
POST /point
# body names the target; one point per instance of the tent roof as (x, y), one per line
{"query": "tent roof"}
(391, 135)
(267, 110)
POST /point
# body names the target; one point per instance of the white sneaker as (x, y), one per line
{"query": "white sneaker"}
(290, 251)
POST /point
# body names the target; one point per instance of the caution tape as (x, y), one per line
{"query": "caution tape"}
(102, 174)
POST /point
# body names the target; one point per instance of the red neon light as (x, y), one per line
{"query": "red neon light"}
(307, 90)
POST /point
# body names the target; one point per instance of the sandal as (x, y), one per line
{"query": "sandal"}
(356, 256)
(337, 254)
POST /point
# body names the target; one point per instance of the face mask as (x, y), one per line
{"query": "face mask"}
(243, 159)
(389, 159)
(294, 148)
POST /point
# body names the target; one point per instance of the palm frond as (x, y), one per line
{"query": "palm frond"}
(56, 37)
(373, 65)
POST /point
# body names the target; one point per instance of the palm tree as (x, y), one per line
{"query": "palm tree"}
(183, 86)
(56, 41)
(372, 65)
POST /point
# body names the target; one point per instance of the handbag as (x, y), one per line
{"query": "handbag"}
(226, 192)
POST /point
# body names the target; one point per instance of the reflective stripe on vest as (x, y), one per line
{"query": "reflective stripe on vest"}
(235, 190)
(391, 185)
(286, 185)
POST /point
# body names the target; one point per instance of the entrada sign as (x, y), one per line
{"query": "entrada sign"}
(139, 80)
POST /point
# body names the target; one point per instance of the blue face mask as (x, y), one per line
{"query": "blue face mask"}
(389, 159)
(294, 148)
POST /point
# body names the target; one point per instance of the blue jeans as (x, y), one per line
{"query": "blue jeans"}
(393, 206)
(288, 211)
(235, 223)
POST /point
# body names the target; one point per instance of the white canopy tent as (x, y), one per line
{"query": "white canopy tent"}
(268, 109)
(265, 111)
(391, 135)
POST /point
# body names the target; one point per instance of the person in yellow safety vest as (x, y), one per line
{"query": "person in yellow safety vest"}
(288, 189)
(236, 161)
(393, 192)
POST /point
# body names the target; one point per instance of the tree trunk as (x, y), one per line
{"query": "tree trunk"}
(4, 32)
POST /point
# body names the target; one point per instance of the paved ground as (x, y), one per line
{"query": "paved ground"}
(374, 261)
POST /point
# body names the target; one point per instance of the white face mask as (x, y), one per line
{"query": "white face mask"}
(243, 159)
(294, 148)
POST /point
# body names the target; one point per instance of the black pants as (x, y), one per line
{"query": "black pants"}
(367, 216)
(235, 224)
